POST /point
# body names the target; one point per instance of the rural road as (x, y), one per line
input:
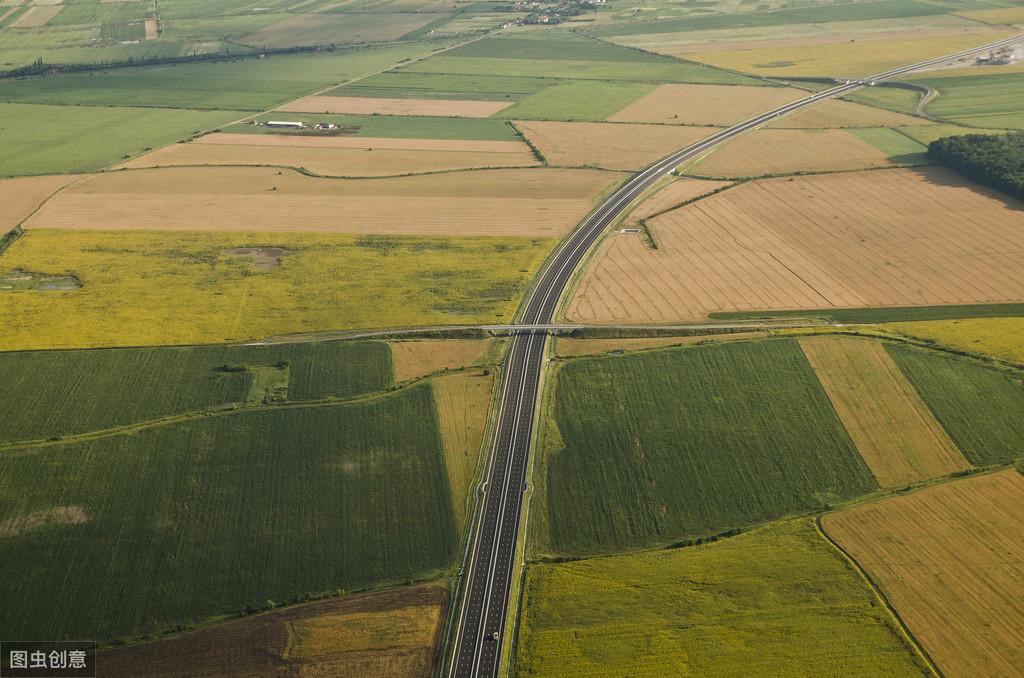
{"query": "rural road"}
(485, 590)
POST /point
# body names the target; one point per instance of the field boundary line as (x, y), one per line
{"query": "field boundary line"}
(906, 633)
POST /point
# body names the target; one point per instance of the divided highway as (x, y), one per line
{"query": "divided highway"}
(480, 620)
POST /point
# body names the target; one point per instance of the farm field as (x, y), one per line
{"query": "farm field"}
(378, 106)
(571, 347)
(607, 145)
(417, 358)
(863, 57)
(847, 114)
(783, 151)
(894, 99)
(237, 85)
(539, 202)
(388, 126)
(58, 140)
(893, 430)
(979, 407)
(104, 389)
(20, 197)
(865, 239)
(173, 287)
(343, 29)
(644, 476)
(1001, 338)
(705, 104)
(204, 508)
(779, 601)
(948, 558)
(674, 194)
(402, 84)
(378, 635)
(341, 156)
(977, 99)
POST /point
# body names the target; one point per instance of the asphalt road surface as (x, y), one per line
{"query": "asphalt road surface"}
(480, 621)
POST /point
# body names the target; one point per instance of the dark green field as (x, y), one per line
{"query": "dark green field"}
(58, 393)
(665, 445)
(403, 85)
(884, 315)
(982, 409)
(136, 533)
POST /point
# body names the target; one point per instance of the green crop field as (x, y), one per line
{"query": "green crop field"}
(553, 46)
(979, 407)
(135, 533)
(670, 444)
(995, 100)
(57, 393)
(240, 84)
(405, 85)
(885, 314)
(779, 601)
(889, 98)
(901, 149)
(848, 11)
(395, 126)
(41, 139)
(577, 100)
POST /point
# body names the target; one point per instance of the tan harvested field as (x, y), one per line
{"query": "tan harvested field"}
(950, 559)
(673, 195)
(18, 197)
(893, 430)
(379, 106)
(887, 238)
(35, 17)
(782, 151)
(525, 202)
(368, 161)
(568, 348)
(337, 29)
(413, 359)
(462, 401)
(609, 145)
(376, 143)
(705, 104)
(836, 113)
(377, 635)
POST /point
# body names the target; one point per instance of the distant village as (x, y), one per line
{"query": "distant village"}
(552, 12)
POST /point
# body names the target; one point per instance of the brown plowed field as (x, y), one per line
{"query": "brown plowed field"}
(412, 359)
(18, 197)
(885, 238)
(377, 635)
(951, 561)
(152, 33)
(674, 195)
(705, 104)
(893, 430)
(339, 162)
(781, 151)
(369, 106)
(538, 201)
(608, 145)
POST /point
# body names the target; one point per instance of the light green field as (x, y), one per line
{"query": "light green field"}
(394, 126)
(889, 98)
(779, 601)
(592, 100)
(900, 149)
(995, 100)
(40, 139)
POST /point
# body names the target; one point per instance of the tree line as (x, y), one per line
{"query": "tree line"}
(995, 160)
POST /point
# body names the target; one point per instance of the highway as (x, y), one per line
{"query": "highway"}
(491, 566)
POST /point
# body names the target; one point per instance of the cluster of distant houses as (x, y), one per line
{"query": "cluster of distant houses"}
(296, 124)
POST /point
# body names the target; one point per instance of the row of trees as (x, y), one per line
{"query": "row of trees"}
(996, 160)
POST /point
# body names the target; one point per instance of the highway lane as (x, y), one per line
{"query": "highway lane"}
(485, 591)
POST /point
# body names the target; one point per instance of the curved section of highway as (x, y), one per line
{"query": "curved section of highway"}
(485, 592)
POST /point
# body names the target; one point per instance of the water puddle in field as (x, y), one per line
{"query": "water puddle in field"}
(261, 257)
(18, 279)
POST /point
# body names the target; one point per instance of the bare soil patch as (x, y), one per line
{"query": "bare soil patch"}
(951, 561)
(383, 634)
(781, 151)
(893, 430)
(610, 145)
(455, 108)
(18, 197)
(58, 515)
(412, 359)
(526, 202)
(152, 33)
(705, 104)
(886, 238)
